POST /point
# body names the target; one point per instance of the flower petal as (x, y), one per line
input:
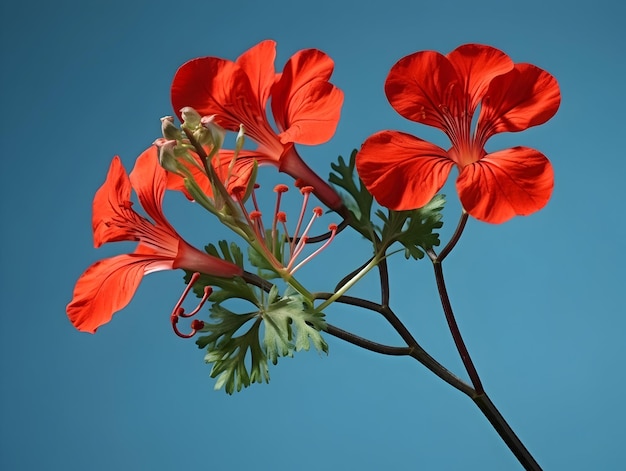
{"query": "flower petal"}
(507, 183)
(402, 171)
(420, 85)
(108, 286)
(149, 180)
(217, 86)
(476, 66)
(110, 197)
(258, 64)
(305, 105)
(526, 96)
(312, 114)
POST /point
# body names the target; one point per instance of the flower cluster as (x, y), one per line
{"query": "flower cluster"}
(471, 94)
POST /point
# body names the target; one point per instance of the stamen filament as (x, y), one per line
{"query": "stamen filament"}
(306, 192)
(179, 311)
(317, 212)
(333, 229)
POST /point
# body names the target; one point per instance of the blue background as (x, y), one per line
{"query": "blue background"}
(540, 300)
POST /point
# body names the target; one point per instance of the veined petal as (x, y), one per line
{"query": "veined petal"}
(420, 85)
(149, 180)
(108, 203)
(507, 183)
(108, 286)
(258, 64)
(402, 171)
(312, 114)
(524, 97)
(305, 105)
(216, 86)
(476, 66)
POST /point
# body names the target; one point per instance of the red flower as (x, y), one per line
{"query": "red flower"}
(404, 172)
(305, 105)
(108, 285)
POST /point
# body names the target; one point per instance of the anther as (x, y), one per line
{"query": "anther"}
(306, 189)
(281, 188)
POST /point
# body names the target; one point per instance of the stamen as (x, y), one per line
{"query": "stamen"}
(279, 189)
(254, 201)
(333, 231)
(179, 311)
(196, 325)
(306, 191)
(257, 224)
(317, 212)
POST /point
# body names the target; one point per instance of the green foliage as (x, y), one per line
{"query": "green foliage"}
(359, 200)
(414, 229)
(239, 359)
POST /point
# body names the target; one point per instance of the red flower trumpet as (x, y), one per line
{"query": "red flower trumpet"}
(304, 104)
(404, 172)
(108, 285)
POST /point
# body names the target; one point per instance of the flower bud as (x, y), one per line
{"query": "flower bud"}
(167, 156)
(191, 118)
(169, 129)
(241, 137)
(217, 132)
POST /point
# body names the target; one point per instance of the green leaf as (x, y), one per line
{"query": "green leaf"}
(359, 201)
(238, 355)
(419, 225)
(288, 317)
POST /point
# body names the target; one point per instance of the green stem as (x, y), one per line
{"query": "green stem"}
(373, 262)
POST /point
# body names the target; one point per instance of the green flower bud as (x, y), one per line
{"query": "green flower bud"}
(169, 129)
(191, 118)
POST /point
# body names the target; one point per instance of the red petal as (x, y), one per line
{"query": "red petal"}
(108, 286)
(507, 183)
(526, 96)
(212, 85)
(149, 180)
(114, 193)
(402, 171)
(420, 84)
(477, 65)
(312, 114)
(258, 64)
(305, 105)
